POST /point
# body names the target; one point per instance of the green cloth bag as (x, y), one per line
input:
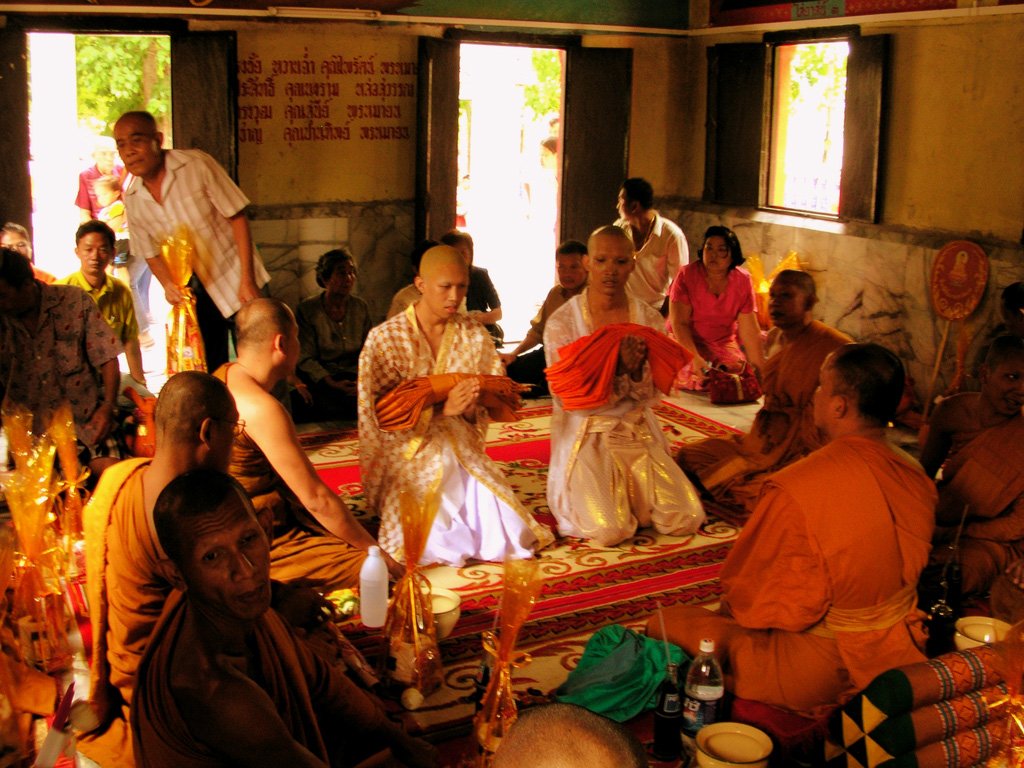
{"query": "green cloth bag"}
(619, 673)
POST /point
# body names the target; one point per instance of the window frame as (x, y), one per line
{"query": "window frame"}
(740, 89)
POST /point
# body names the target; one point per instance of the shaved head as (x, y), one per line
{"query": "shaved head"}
(1004, 348)
(799, 279)
(439, 257)
(259, 321)
(568, 736)
(185, 401)
(612, 231)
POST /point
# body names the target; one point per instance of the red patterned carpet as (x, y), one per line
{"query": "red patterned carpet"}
(585, 587)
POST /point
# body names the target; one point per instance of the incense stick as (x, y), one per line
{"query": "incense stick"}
(664, 635)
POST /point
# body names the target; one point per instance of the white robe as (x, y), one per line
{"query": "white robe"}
(610, 468)
(480, 517)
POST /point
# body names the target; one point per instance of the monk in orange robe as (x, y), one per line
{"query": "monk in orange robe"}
(224, 680)
(819, 592)
(315, 537)
(733, 469)
(980, 438)
(195, 420)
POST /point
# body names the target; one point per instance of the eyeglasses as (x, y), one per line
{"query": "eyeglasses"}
(237, 427)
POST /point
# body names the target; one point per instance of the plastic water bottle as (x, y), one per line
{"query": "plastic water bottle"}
(373, 589)
(704, 689)
(667, 717)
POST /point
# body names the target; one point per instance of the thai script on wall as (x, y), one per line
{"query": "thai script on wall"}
(325, 98)
(316, 104)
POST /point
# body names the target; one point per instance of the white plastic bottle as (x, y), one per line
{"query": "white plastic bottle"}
(373, 589)
(703, 690)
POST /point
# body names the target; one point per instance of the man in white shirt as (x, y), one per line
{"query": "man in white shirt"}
(659, 244)
(176, 188)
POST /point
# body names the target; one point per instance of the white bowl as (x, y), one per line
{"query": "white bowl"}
(727, 745)
(447, 607)
(973, 631)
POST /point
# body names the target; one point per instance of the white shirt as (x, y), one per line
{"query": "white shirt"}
(198, 195)
(657, 260)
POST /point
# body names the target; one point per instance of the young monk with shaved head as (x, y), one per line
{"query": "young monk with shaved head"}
(479, 517)
(314, 536)
(225, 681)
(195, 422)
(733, 469)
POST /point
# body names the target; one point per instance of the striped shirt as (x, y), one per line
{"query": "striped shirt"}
(200, 197)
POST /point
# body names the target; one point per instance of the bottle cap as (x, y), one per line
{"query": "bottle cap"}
(707, 645)
(373, 551)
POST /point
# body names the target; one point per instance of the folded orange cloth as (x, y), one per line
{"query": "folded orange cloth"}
(401, 407)
(582, 378)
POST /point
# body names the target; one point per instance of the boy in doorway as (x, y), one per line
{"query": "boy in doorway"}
(521, 364)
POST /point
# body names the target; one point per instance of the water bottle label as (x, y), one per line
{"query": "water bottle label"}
(697, 714)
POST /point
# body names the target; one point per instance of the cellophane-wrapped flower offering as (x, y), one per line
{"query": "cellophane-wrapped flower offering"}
(38, 607)
(522, 583)
(414, 660)
(185, 350)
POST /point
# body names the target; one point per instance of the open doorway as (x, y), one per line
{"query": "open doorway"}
(509, 162)
(84, 81)
(79, 85)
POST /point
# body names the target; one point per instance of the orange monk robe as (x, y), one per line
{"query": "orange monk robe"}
(583, 375)
(303, 689)
(734, 468)
(401, 408)
(300, 548)
(125, 599)
(819, 591)
(987, 474)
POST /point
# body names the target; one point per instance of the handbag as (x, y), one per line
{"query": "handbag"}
(727, 387)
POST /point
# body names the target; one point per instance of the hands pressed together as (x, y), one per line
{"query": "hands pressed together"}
(463, 397)
(632, 355)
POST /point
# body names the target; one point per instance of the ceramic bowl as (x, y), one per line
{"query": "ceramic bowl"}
(729, 745)
(972, 631)
(447, 607)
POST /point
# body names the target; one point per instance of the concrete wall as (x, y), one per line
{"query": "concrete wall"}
(953, 168)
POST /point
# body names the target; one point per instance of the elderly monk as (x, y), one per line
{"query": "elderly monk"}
(819, 592)
(195, 421)
(479, 516)
(610, 467)
(315, 537)
(733, 469)
(225, 681)
(982, 434)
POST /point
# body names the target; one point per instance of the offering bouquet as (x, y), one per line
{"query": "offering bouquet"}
(185, 351)
(11, 742)
(409, 627)
(498, 712)
(71, 494)
(38, 606)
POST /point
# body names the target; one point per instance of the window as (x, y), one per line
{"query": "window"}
(805, 157)
(795, 124)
